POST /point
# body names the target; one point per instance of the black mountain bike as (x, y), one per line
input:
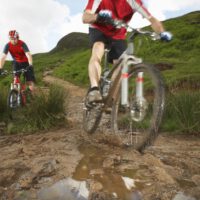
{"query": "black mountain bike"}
(135, 93)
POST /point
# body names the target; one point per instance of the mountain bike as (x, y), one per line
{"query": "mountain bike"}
(135, 93)
(19, 93)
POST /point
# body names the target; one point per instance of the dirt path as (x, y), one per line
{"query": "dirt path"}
(68, 164)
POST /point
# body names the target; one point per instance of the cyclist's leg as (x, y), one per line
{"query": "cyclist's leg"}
(95, 63)
(97, 40)
(118, 47)
(16, 67)
(29, 76)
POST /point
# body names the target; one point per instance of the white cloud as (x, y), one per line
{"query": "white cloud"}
(41, 23)
(159, 8)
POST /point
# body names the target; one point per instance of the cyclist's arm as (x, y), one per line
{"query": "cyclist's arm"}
(4, 55)
(28, 54)
(138, 6)
(156, 25)
(30, 59)
(2, 60)
(89, 17)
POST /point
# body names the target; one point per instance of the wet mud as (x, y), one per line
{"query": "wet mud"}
(67, 164)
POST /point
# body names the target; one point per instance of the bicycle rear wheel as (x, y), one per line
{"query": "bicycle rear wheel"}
(137, 124)
(91, 116)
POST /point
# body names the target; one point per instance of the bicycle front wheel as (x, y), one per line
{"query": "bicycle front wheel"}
(137, 123)
(14, 99)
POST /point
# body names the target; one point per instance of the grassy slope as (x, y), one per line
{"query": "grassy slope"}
(70, 57)
(69, 60)
(182, 53)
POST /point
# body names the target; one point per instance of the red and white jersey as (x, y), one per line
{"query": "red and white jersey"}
(121, 10)
(17, 51)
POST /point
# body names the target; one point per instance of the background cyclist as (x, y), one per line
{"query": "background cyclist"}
(97, 13)
(21, 55)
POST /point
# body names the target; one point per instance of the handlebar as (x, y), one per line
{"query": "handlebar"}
(134, 32)
(5, 72)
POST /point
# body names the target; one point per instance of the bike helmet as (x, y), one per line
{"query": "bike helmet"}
(13, 34)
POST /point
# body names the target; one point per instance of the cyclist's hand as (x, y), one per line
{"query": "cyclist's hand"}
(30, 67)
(3, 72)
(166, 36)
(104, 16)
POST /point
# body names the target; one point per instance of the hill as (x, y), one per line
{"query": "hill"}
(71, 55)
(72, 41)
(180, 57)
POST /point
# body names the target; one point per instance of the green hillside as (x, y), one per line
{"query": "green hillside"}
(70, 57)
(179, 58)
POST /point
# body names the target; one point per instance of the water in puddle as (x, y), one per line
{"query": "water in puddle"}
(67, 189)
(181, 196)
(120, 185)
(116, 185)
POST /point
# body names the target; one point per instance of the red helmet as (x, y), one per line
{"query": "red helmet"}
(13, 34)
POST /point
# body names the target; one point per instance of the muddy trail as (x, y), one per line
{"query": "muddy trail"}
(67, 164)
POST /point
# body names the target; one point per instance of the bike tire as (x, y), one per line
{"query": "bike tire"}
(140, 134)
(91, 116)
(13, 99)
(13, 104)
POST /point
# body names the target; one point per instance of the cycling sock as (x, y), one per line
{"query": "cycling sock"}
(94, 88)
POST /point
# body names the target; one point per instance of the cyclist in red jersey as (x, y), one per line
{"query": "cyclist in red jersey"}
(21, 55)
(96, 13)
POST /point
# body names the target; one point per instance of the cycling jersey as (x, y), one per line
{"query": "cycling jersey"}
(17, 51)
(121, 10)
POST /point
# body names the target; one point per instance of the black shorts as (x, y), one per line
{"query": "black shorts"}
(29, 75)
(117, 47)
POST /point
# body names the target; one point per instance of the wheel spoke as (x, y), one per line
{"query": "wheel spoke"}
(137, 123)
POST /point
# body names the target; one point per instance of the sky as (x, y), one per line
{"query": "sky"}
(42, 23)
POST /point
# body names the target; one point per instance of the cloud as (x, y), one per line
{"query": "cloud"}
(161, 10)
(40, 23)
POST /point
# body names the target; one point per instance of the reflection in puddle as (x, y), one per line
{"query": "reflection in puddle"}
(181, 196)
(69, 189)
(95, 168)
(65, 189)
(98, 169)
(96, 165)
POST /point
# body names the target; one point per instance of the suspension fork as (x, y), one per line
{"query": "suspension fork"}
(125, 84)
(139, 85)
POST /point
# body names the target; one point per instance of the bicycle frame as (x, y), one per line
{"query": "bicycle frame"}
(122, 65)
(19, 86)
(121, 78)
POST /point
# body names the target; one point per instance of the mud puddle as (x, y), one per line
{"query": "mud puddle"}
(95, 176)
(99, 175)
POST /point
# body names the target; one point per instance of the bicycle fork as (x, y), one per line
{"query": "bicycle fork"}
(125, 83)
(138, 105)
